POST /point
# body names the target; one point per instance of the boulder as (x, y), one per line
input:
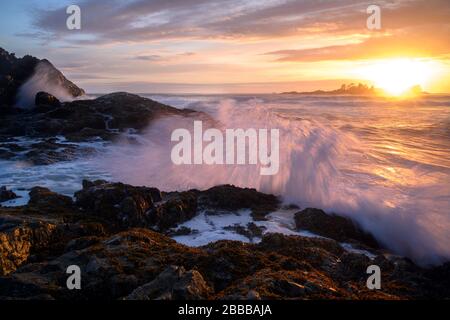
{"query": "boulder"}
(175, 208)
(82, 120)
(15, 72)
(174, 283)
(123, 205)
(40, 240)
(46, 99)
(6, 194)
(332, 226)
(43, 197)
(231, 198)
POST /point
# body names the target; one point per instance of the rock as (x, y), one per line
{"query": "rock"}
(270, 284)
(15, 72)
(123, 205)
(353, 266)
(231, 198)
(13, 147)
(173, 283)
(6, 154)
(175, 208)
(40, 229)
(182, 231)
(45, 155)
(43, 197)
(46, 99)
(332, 226)
(18, 235)
(251, 231)
(111, 268)
(82, 120)
(38, 241)
(6, 194)
(128, 206)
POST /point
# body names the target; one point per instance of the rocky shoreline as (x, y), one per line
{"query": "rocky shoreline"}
(119, 237)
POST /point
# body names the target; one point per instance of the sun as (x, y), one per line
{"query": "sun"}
(397, 76)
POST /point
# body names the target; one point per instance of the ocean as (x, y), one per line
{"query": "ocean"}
(383, 162)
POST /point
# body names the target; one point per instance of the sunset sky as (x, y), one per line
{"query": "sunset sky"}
(212, 46)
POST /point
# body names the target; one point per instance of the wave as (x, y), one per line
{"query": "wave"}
(320, 166)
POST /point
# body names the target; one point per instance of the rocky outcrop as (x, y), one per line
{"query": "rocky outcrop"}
(105, 117)
(14, 72)
(332, 226)
(230, 198)
(40, 240)
(6, 194)
(174, 283)
(127, 206)
(123, 205)
(175, 208)
(44, 99)
(141, 264)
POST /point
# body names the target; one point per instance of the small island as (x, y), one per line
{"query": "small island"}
(358, 89)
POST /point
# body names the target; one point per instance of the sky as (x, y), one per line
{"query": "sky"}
(230, 46)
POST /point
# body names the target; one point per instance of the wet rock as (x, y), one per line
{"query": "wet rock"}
(123, 205)
(6, 154)
(173, 283)
(46, 99)
(14, 72)
(40, 229)
(112, 268)
(270, 284)
(174, 208)
(182, 231)
(230, 198)
(82, 120)
(43, 197)
(87, 134)
(332, 226)
(6, 194)
(18, 234)
(353, 266)
(13, 147)
(38, 241)
(250, 231)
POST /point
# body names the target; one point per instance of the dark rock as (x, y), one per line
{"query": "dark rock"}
(251, 231)
(43, 197)
(353, 266)
(83, 120)
(6, 194)
(231, 198)
(38, 241)
(182, 231)
(332, 226)
(46, 99)
(123, 205)
(14, 72)
(12, 147)
(46, 157)
(175, 208)
(173, 283)
(6, 154)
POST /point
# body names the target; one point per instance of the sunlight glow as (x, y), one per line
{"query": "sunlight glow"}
(398, 76)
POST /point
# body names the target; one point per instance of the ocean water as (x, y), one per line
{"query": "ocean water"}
(383, 162)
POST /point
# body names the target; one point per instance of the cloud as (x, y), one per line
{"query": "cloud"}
(153, 57)
(412, 42)
(140, 21)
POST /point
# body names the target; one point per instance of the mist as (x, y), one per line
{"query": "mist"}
(43, 79)
(312, 156)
